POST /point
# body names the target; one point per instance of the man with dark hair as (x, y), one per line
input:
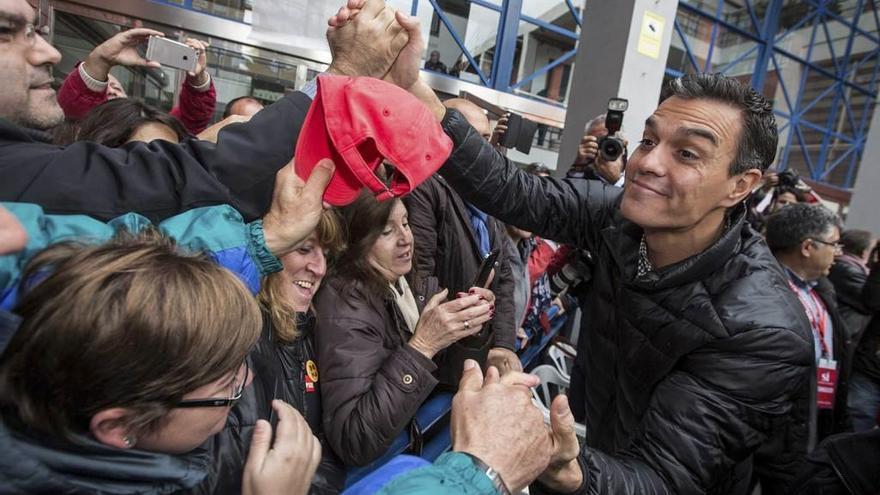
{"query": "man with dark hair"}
(856, 279)
(805, 239)
(246, 106)
(452, 238)
(686, 374)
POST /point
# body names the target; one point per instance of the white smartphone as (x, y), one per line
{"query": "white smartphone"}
(172, 53)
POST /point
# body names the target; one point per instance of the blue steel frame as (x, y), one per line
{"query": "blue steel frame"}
(770, 53)
(510, 16)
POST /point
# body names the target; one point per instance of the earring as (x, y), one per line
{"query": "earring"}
(128, 441)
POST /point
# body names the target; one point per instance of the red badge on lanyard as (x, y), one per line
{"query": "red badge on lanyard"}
(826, 371)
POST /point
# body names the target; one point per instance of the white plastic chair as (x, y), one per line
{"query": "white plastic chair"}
(561, 360)
(541, 395)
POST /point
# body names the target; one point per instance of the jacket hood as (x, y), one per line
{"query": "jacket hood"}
(32, 465)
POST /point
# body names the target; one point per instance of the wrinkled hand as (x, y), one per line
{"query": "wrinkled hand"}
(297, 207)
(365, 39)
(121, 49)
(500, 130)
(443, 323)
(198, 76)
(405, 70)
(494, 419)
(504, 359)
(13, 237)
(290, 464)
(563, 473)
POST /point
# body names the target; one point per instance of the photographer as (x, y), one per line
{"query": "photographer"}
(590, 163)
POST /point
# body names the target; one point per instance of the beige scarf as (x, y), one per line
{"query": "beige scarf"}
(406, 301)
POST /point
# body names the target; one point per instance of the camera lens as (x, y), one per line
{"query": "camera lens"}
(610, 148)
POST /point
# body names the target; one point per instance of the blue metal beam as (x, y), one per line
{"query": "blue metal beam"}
(505, 45)
(458, 41)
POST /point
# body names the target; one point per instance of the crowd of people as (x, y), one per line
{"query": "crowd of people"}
(260, 304)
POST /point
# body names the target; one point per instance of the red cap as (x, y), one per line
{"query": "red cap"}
(359, 121)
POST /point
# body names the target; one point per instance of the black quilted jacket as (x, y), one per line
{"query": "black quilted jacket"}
(687, 372)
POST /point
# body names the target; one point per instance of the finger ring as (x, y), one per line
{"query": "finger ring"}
(467, 325)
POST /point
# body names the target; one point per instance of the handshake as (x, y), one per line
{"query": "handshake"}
(494, 419)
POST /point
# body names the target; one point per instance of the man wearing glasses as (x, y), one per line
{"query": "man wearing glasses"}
(805, 238)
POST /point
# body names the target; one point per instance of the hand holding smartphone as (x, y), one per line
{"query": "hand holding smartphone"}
(172, 53)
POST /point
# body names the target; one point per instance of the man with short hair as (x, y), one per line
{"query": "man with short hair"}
(159, 179)
(856, 279)
(452, 238)
(246, 106)
(805, 239)
(590, 164)
(686, 373)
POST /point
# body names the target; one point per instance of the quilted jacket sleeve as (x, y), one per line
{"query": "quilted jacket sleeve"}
(706, 417)
(566, 211)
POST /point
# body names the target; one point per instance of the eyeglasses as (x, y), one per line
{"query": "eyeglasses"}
(237, 391)
(838, 247)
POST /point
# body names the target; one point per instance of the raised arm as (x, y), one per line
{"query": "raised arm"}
(561, 210)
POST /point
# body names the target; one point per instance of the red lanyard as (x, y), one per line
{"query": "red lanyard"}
(816, 313)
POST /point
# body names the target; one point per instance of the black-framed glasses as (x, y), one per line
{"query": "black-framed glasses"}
(237, 391)
(838, 247)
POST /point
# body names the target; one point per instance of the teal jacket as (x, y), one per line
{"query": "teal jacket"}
(219, 231)
(452, 472)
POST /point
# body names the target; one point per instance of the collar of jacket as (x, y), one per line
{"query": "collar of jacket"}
(623, 237)
(38, 463)
(16, 132)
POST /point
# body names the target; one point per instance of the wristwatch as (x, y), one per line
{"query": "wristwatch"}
(493, 475)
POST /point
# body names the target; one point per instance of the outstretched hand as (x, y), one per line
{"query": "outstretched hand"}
(494, 420)
(120, 49)
(297, 207)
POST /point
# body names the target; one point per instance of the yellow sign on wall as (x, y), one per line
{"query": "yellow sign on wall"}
(651, 34)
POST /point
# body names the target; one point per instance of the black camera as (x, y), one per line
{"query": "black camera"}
(611, 146)
(788, 178)
(520, 133)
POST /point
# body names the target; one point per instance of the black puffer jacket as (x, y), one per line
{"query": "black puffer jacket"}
(858, 294)
(687, 372)
(279, 371)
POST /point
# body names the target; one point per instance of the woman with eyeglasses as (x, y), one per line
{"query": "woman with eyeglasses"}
(284, 360)
(128, 358)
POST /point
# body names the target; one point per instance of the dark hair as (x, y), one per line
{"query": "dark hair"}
(788, 227)
(855, 241)
(537, 168)
(780, 190)
(363, 221)
(757, 144)
(133, 323)
(229, 105)
(113, 122)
